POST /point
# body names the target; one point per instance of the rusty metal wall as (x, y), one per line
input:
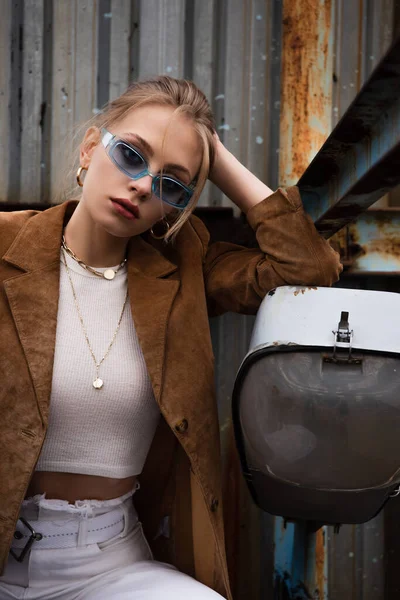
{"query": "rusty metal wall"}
(307, 54)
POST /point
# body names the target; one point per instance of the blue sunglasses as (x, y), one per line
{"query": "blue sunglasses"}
(129, 160)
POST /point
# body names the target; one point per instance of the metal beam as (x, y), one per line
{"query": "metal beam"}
(360, 160)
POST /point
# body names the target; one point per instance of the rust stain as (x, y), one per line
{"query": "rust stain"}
(306, 84)
(320, 562)
(386, 242)
(354, 248)
(389, 245)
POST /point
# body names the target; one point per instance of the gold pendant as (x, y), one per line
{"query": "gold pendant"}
(98, 383)
(109, 274)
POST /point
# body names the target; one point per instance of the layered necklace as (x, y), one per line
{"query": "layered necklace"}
(97, 382)
(108, 273)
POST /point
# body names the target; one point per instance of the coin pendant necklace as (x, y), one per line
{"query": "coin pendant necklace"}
(97, 382)
(107, 274)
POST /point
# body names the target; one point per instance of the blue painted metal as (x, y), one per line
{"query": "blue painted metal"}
(301, 566)
(290, 558)
(360, 160)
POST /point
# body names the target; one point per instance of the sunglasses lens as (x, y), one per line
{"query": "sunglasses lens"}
(128, 159)
(171, 192)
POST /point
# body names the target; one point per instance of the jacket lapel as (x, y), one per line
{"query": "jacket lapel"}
(33, 300)
(33, 297)
(151, 298)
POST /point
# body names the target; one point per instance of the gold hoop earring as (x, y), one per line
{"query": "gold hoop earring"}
(160, 237)
(78, 175)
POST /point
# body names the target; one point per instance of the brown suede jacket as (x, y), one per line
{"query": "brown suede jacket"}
(172, 291)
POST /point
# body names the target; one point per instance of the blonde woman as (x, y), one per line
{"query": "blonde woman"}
(106, 359)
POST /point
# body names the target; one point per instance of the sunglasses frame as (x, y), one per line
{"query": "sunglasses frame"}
(110, 141)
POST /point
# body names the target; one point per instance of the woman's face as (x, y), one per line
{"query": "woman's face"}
(106, 187)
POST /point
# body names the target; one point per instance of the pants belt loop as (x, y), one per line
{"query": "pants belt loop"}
(83, 531)
(127, 520)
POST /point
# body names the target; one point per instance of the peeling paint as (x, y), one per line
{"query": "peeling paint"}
(303, 290)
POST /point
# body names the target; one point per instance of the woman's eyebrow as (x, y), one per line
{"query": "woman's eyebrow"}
(174, 167)
(137, 139)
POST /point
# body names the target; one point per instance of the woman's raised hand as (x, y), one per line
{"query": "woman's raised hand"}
(235, 180)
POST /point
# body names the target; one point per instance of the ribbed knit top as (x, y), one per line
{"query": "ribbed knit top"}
(106, 432)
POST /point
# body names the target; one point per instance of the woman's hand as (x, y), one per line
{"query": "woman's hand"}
(235, 181)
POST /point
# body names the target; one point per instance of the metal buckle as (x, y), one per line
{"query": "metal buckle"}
(34, 537)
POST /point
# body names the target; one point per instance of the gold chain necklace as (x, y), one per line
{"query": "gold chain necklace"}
(108, 273)
(97, 382)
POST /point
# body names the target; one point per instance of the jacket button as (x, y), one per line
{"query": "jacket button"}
(214, 505)
(182, 426)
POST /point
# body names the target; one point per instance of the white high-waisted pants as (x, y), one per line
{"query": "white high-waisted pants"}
(121, 568)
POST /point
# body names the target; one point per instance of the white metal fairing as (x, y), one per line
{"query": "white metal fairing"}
(309, 315)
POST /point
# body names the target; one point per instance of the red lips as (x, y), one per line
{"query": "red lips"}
(132, 208)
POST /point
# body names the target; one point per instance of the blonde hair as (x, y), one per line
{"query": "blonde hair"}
(187, 99)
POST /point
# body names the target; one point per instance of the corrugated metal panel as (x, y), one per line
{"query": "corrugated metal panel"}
(120, 47)
(356, 561)
(32, 78)
(201, 62)
(69, 58)
(247, 73)
(5, 95)
(231, 337)
(161, 38)
(363, 33)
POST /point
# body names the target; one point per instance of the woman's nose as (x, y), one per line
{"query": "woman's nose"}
(142, 186)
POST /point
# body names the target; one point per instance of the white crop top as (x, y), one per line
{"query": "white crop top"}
(106, 432)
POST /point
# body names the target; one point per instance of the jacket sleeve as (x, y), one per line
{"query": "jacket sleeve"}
(291, 252)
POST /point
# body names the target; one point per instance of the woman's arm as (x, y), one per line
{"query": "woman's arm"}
(290, 252)
(235, 181)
